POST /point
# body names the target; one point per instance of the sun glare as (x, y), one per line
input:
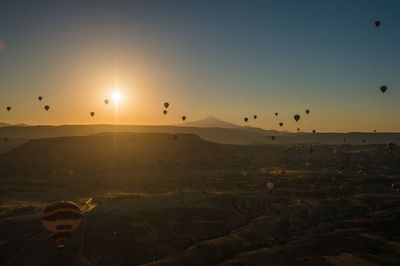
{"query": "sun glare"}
(116, 96)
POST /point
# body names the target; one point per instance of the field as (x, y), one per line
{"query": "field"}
(162, 199)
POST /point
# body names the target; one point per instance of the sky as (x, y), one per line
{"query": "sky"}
(227, 59)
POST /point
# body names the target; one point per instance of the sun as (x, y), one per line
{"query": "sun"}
(116, 95)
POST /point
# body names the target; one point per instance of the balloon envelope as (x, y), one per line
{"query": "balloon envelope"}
(60, 219)
(47, 107)
(296, 117)
(166, 105)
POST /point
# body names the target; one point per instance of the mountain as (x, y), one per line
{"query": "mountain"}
(210, 122)
(2, 124)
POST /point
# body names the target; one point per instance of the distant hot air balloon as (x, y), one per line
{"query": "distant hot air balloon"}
(183, 118)
(296, 117)
(106, 101)
(391, 146)
(307, 111)
(314, 131)
(383, 89)
(47, 107)
(280, 124)
(255, 116)
(60, 219)
(276, 114)
(246, 119)
(377, 23)
(298, 129)
(8, 108)
(166, 105)
(92, 114)
(40, 98)
(165, 112)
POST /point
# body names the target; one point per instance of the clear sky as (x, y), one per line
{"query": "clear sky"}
(227, 59)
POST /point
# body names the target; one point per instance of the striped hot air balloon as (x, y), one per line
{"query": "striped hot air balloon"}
(60, 219)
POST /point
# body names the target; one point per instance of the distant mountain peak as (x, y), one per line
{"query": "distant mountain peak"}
(210, 121)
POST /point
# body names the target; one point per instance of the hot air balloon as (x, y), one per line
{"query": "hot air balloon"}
(47, 107)
(276, 114)
(391, 146)
(377, 23)
(296, 117)
(255, 116)
(106, 101)
(280, 124)
(383, 89)
(314, 131)
(60, 219)
(246, 119)
(40, 98)
(166, 105)
(307, 111)
(183, 118)
(8, 108)
(165, 112)
(298, 129)
(92, 114)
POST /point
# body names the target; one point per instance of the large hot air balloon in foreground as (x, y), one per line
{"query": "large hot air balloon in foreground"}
(60, 219)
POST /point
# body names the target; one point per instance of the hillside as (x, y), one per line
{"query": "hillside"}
(221, 135)
(109, 152)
